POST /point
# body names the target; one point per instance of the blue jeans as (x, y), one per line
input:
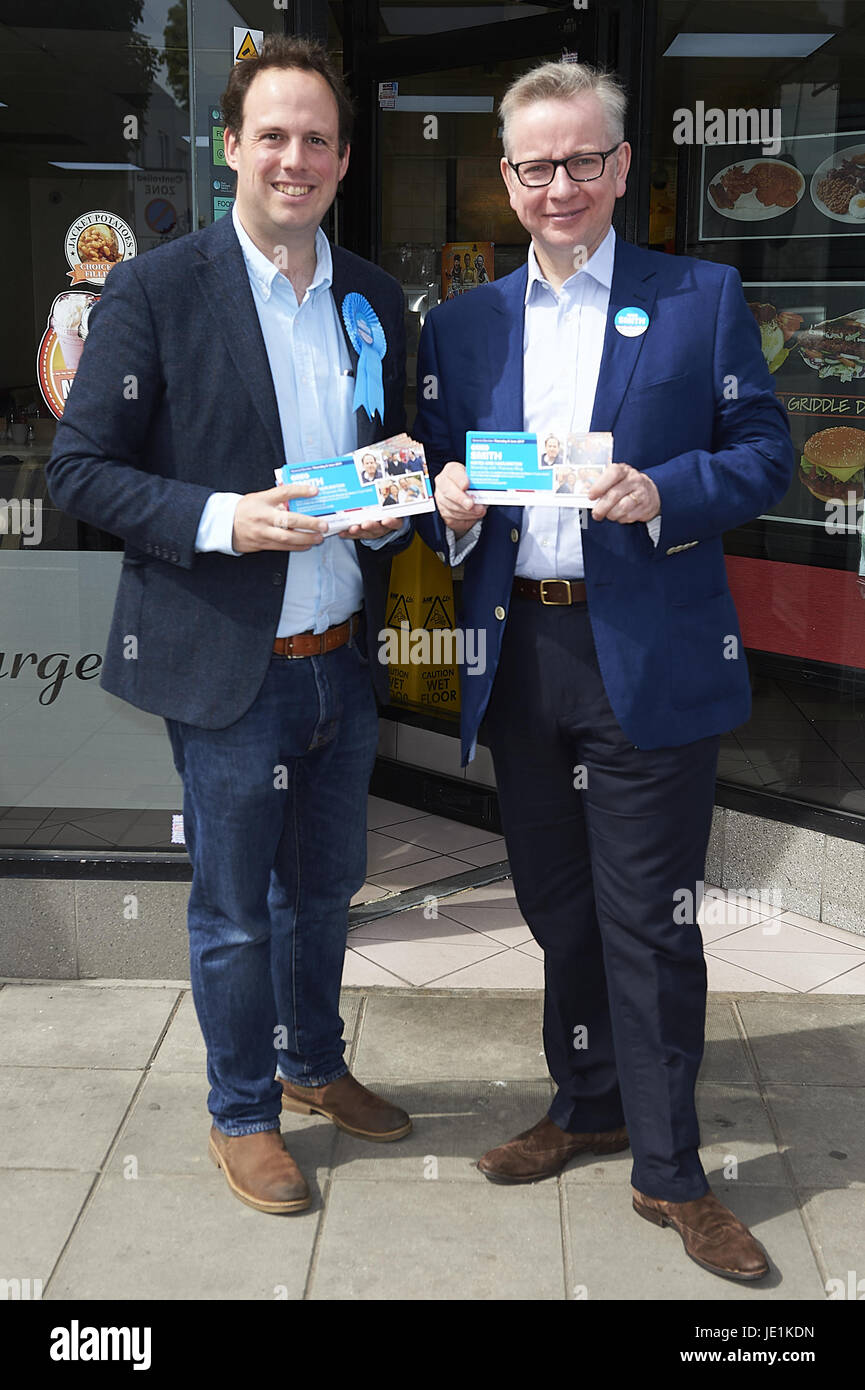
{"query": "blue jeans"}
(274, 812)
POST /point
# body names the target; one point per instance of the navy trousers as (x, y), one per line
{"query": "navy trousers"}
(600, 836)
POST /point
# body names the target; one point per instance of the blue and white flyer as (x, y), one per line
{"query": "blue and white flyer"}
(530, 470)
(383, 480)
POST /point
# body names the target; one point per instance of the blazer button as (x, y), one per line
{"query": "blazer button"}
(277, 578)
(515, 535)
(499, 611)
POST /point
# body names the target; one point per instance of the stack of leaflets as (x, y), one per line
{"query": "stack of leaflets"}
(375, 483)
(522, 470)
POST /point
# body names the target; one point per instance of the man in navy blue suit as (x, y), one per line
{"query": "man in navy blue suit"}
(210, 363)
(614, 653)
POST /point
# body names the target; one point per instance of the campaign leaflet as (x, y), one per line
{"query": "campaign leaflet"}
(536, 470)
(375, 483)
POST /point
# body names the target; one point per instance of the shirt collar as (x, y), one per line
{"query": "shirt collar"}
(265, 272)
(599, 266)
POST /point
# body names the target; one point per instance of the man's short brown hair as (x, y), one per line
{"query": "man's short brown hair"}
(286, 52)
(562, 81)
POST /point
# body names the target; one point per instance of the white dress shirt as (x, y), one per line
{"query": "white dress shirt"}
(563, 341)
(310, 364)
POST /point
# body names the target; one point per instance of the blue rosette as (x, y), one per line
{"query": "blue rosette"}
(369, 342)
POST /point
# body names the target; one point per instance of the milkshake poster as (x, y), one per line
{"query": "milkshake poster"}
(95, 243)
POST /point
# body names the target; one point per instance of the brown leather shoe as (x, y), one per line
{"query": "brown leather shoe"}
(351, 1106)
(543, 1150)
(711, 1234)
(260, 1170)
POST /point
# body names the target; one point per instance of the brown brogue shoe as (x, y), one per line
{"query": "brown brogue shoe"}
(351, 1106)
(711, 1234)
(543, 1150)
(260, 1171)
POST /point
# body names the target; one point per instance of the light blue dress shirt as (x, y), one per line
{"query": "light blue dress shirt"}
(563, 342)
(310, 364)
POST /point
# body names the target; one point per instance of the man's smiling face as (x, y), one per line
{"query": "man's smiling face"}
(565, 214)
(286, 156)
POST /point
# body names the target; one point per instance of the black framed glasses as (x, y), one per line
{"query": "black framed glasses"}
(582, 168)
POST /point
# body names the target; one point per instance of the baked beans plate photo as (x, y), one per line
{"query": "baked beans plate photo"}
(753, 190)
(838, 186)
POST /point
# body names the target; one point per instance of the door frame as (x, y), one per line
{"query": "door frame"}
(614, 35)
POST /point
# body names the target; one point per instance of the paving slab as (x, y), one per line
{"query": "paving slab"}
(37, 1212)
(168, 1130)
(435, 1240)
(177, 1237)
(611, 1170)
(823, 1129)
(736, 1137)
(182, 1048)
(454, 1122)
(615, 1254)
(838, 1221)
(440, 1037)
(724, 1058)
(806, 1040)
(469, 1067)
(67, 1025)
(61, 1118)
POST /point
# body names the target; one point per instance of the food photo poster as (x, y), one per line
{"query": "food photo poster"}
(813, 340)
(814, 187)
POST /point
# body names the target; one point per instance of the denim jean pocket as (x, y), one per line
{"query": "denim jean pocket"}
(361, 655)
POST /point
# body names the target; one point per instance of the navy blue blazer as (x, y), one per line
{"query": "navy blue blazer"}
(690, 402)
(174, 400)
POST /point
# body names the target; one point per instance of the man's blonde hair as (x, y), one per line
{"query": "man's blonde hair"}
(562, 81)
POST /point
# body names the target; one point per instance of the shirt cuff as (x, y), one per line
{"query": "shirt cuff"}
(386, 540)
(217, 523)
(654, 528)
(459, 548)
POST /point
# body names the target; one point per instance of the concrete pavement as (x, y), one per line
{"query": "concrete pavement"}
(106, 1189)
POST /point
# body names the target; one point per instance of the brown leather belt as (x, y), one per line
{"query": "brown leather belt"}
(551, 591)
(316, 643)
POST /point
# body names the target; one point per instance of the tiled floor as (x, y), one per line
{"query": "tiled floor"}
(477, 939)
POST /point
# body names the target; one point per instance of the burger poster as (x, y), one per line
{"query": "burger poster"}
(813, 340)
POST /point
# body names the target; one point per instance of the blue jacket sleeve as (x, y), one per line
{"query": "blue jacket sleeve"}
(751, 462)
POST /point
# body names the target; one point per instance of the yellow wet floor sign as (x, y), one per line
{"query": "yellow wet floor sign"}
(422, 643)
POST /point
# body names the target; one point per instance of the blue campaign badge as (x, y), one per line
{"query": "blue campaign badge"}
(631, 322)
(369, 342)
